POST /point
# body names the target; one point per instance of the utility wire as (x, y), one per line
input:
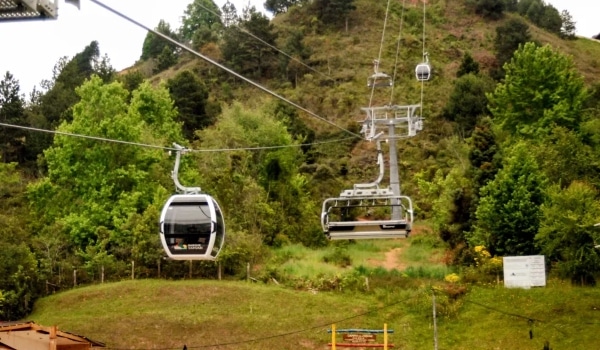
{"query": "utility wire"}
(204, 150)
(209, 60)
(529, 319)
(424, 53)
(397, 51)
(387, 11)
(97, 138)
(243, 30)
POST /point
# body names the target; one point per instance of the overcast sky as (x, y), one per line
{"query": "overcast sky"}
(32, 48)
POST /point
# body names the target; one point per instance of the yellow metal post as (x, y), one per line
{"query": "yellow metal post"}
(333, 336)
(385, 337)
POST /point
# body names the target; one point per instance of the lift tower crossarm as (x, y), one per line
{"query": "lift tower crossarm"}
(28, 9)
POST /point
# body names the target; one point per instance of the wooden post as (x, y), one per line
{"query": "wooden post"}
(333, 336)
(219, 270)
(74, 277)
(435, 342)
(52, 337)
(102, 275)
(385, 337)
(132, 269)
(248, 272)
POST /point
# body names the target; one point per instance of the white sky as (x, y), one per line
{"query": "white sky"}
(32, 48)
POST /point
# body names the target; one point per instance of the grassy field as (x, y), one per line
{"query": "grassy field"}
(210, 314)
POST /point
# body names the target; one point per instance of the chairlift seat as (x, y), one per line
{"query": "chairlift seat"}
(379, 80)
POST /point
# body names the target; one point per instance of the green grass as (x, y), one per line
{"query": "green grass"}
(159, 314)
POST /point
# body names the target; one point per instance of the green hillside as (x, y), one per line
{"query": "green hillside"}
(508, 163)
(159, 314)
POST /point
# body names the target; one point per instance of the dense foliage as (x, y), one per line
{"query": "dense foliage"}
(509, 157)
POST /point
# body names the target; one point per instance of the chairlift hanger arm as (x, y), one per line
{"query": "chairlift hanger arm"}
(175, 173)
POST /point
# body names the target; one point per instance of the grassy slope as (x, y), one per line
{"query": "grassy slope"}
(159, 314)
(162, 314)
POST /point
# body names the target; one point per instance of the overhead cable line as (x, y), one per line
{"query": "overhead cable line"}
(230, 71)
(397, 51)
(204, 150)
(424, 52)
(387, 11)
(243, 30)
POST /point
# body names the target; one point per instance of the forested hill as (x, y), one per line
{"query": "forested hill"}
(507, 163)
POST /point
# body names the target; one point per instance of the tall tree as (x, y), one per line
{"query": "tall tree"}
(246, 54)
(154, 45)
(18, 270)
(567, 234)
(333, 13)
(190, 96)
(201, 23)
(509, 211)
(94, 188)
(509, 36)
(568, 29)
(541, 89)
(492, 9)
(280, 6)
(12, 111)
(468, 102)
(229, 16)
(467, 65)
(266, 183)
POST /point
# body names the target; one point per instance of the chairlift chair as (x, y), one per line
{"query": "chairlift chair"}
(379, 79)
(338, 227)
(192, 226)
(394, 212)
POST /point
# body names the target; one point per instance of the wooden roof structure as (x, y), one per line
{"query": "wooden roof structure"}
(27, 335)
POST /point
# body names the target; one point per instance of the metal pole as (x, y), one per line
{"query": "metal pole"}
(394, 178)
(435, 341)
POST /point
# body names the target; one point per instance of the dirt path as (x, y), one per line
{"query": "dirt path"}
(393, 258)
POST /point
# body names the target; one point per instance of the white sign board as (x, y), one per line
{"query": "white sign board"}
(524, 271)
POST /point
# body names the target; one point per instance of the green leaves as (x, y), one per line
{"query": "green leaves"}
(541, 89)
(509, 210)
(567, 233)
(94, 184)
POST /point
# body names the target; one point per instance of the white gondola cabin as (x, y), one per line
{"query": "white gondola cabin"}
(192, 227)
(423, 71)
(191, 223)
